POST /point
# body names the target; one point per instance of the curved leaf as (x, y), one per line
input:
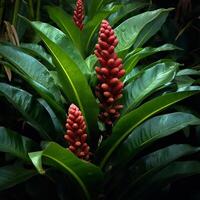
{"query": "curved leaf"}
(59, 38)
(59, 128)
(171, 173)
(73, 81)
(150, 80)
(96, 6)
(125, 10)
(30, 108)
(149, 132)
(38, 51)
(186, 72)
(87, 176)
(131, 120)
(12, 175)
(65, 23)
(92, 25)
(136, 55)
(35, 74)
(136, 30)
(15, 144)
(144, 168)
(153, 162)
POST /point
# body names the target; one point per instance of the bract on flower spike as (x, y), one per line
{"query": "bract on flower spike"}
(76, 135)
(109, 88)
(79, 14)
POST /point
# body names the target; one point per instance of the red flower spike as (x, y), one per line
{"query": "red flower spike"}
(79, 14)
(109, 88)
(76, 135)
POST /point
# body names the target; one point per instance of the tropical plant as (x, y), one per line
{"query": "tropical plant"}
(117, 124)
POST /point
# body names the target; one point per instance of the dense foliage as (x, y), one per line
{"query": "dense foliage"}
(88, 112)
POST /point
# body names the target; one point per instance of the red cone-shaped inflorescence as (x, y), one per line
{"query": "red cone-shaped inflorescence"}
(76, 135)
(79, 14)
(109, 88)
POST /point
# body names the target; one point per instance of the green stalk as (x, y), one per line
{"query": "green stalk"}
(15, 13)
(1, 10)
(31, 10)
(37, 17)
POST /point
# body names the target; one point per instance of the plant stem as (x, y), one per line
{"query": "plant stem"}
(15, 13)
(37, 17)
(31, 10)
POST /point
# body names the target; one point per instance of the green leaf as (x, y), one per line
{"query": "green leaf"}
(91, 61)
(74, 84)
(61, 40)
(38, 51)
(136, 30)
(149, 132)
(127, 123)
(35, 74)
(125, 10)
(136, 55)
(91, 27)
(150, 80)
(186, 72)
(30, 108)
(12, 175)
(183, 82)
(95, 7)
(15, 144)
(155, 161)
(144, 168)
(59, 127)
(66, 24)
(175, 171)
(87, 176)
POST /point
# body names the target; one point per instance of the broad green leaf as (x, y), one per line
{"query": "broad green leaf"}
(91, 61)
(127, 123)
(175, 171)
(74, 84)
(38, 51)
(189, 88)
(12, 175)
(35, 74)
(136, 30)
(136, 55)
(66, 24)
(150, 80)
(155, 161)
(87, 176)
(61, 40)
(125, 10)
(149, 132)
(91, 27)
(183, 82)
(95, 7)
(15, 144)
(59, 128)
(144, 168)
(139, 70)
(30, 108)
(186, 72)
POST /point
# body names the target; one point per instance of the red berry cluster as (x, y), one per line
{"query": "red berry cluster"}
(109, 88)
(79, 14)
(76, 133)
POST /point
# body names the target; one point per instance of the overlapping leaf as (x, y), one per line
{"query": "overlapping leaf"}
(131, 120)
(30, 108)
(150, 80)
(86, 176)
(136, 30)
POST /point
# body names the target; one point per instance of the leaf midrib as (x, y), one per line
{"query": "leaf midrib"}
(103, 162)
(71, 172)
